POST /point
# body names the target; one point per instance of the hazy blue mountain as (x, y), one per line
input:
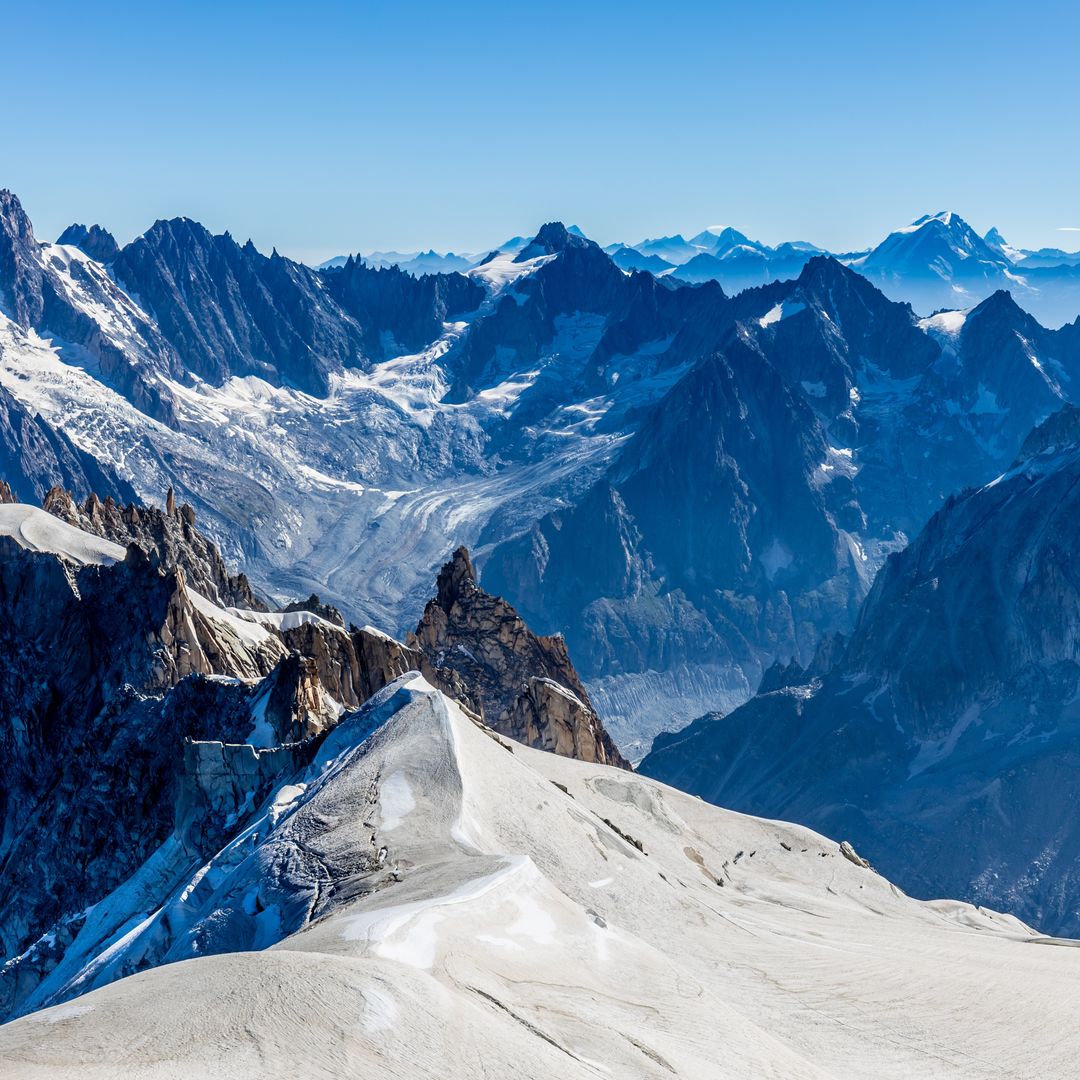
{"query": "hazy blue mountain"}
(746, 518)
(937, 262)
(944, 741)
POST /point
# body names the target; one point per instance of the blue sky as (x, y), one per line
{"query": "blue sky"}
(329, 127)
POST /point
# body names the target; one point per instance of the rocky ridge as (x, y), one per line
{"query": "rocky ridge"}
(142, 702)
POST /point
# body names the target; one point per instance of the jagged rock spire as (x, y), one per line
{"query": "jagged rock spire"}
(98, 243)
(456, 579)
(478, 648)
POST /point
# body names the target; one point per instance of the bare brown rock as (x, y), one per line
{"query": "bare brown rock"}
(522, 684)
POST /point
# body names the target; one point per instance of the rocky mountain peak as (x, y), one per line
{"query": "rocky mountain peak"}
(823, 272)
(524, 685)
(552, 239)
(1000, 305)
(98, 243)
(13, 219)
(456, 580)
(20, 273)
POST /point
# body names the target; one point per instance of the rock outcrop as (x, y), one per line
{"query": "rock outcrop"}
(169, 536)
(98, 243)
(524, 685)
(317, 607)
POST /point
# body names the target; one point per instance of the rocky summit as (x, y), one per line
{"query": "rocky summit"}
(522, 685)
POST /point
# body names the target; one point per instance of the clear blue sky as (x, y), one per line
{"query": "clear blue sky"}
(328, 127)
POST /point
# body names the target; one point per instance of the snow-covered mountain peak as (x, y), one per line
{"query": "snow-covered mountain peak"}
(996, 242)
(932, 234)
(944, 217)
(720, 237)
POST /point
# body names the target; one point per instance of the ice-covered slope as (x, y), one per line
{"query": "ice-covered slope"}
(36, 530)
(446, 905)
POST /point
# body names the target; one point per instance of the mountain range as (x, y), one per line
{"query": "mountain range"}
(943, 736)
(937, 262)
(687, 485)
(338, 605)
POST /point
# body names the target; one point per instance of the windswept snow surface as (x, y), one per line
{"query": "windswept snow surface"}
(447, 905)
(945, 326)
(35, 529)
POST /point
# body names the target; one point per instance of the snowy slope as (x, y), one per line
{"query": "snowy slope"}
(446, 905)
(34, 529)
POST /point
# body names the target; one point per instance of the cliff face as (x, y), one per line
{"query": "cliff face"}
(523, 685)
(944, 737)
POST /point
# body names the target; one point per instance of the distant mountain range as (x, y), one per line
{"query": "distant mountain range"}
(937, 262)
(685, 483)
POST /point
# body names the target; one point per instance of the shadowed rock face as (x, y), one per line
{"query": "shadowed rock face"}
(21, 277)
(525, 685)
(393, 306)
(944, 739)
(87, 737)
(94, 241)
